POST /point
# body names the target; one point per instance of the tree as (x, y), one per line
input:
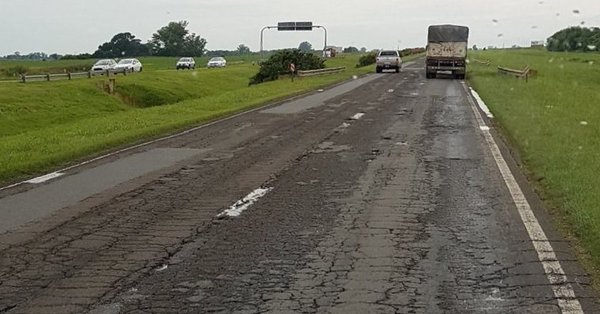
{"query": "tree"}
(279, 62)
(305, 46)
(350, 50)
(243, 49)
(121, 45)
(575, 39)
(175, 40)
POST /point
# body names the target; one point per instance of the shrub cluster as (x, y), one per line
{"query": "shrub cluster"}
(279, 62)
(367, 59)
(411, 51)
(16, 70)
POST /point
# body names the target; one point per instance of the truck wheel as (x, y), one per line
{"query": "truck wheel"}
(378, 69)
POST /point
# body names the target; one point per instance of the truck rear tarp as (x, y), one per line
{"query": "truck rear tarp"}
(447, 33)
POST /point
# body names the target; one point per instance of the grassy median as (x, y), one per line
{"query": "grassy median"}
(46, 125)
(554, 122)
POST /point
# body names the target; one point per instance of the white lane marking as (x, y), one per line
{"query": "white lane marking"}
(45, 178)
(562, 289)
(482, 104)
(163, 267)
(275, 104)
(357, 116)
(243, 204)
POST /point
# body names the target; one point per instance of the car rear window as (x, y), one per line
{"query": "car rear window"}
(389, 53)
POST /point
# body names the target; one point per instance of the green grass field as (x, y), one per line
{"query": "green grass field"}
(554, 123)
(45, 125)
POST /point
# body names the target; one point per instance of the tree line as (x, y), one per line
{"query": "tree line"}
(172, 40)
(576, 38)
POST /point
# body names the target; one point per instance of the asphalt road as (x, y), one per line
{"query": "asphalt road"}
(380, 195)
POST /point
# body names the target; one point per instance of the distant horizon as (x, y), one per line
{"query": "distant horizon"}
(75, 27)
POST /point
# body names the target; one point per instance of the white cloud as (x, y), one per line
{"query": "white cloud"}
(72, 26)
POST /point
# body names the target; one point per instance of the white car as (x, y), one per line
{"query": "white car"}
(388, 59)
(186, 63)
(129, 65)
(217, 62)
(102, 65)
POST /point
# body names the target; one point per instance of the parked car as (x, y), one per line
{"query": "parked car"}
(186, 63)
(102, 65)
(388, 59)
(217, 62)
(129, 65)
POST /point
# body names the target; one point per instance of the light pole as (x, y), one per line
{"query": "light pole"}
(325, 29)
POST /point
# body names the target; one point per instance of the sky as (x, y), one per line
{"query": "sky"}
(78, 26)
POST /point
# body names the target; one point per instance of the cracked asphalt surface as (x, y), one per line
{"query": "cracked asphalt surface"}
(399, 210)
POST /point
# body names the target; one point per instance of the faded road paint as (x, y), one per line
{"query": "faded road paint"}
(243, 204)
(556, 275)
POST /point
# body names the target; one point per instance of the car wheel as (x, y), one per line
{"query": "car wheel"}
(378, 69)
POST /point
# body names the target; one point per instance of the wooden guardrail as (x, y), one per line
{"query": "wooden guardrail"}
(66, 76)
(525, 74)
(320, 71)
(484, 62)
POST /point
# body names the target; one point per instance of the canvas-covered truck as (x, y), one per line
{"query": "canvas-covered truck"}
(447, 50)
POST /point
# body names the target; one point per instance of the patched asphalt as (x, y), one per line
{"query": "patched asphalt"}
(381, 196)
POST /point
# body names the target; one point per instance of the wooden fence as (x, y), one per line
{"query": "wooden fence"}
(525, 74)
(67, 76)
(320, 71)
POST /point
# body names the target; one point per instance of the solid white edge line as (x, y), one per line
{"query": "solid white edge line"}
(481, 103)
(562, 289)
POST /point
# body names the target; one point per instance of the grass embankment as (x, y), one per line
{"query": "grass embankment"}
(47, 124)
(554, 122)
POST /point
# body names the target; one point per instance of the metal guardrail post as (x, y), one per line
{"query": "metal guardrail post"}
(48, 77)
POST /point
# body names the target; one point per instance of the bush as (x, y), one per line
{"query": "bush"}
(411, 51)
(17, 70)
(278, 64)
(367, 59)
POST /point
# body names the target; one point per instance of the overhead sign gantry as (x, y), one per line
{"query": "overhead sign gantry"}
(292, 26)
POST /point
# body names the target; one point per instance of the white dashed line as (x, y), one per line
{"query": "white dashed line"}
(357, 116)
(45, 178)
(562, 289)
(243, 204)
